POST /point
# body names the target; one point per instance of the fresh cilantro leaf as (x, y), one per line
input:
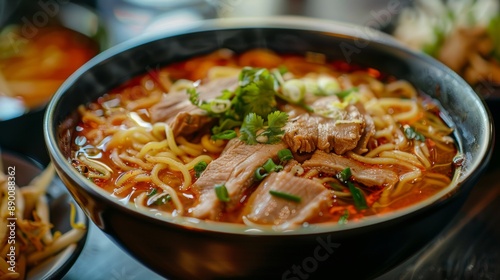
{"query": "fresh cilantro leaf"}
(275, 121)
(256, 93)
(247, 106)
(225, 124)
(254, 127)
(249, 128)
(194, 96)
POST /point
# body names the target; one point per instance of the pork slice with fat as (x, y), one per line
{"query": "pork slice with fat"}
(368, 175)
(176, 109)
(266, 209)
(235, 169)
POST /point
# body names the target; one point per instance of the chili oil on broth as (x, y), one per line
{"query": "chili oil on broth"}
(33, 67)
(122, 149)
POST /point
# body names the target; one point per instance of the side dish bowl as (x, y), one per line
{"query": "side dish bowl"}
(57, 265)
(186, 248)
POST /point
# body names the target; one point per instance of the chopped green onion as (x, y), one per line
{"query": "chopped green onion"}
(194, 96)
(220, 105)
(336, 187)
(411, 133)
(343, 219)
(294, 89)
(153, 192)
(282, 69)
(199, 168)
(163, 200)
(344, 175)
(358, 196)
(221, 192)
(343, 94)
(260, 174)
(285, 155)
(284, 195)
(328, 85)
(225, 135)
(270, 166)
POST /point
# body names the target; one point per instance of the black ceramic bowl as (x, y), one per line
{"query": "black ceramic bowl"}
(192, 249)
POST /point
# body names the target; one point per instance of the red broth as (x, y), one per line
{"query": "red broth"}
(125, 148)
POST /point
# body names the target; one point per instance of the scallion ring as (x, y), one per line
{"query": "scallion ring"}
(221, 192)
(220, 105)
(285, 155)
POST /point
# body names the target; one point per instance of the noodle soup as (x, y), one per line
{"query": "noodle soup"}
(265, 139)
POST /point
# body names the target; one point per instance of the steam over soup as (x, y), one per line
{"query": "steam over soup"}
(265, 139)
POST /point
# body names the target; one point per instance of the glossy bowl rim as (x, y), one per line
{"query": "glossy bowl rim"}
(286, 22)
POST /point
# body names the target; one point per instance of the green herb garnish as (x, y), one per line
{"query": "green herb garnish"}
(344, 175)
(284, 195)
(270, 166)
(152, 192)
(255, 95)
(344, 93)
(411, 133)
(260, 174)
(358, 196)
(344, 218)
(254, 130)
(163, 200)
(264, 170)
(285, 155)
(199, 168)
(221, 193)
(336, 187)
(225, 135)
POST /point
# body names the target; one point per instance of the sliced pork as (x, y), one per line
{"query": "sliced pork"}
(368, 132)
(368, 175)
(266, 209)
(187, 123)
(235, 169)
(177, 102)
(309, 132)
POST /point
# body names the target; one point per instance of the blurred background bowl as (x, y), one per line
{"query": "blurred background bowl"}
(42, 43)
(184, 248)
